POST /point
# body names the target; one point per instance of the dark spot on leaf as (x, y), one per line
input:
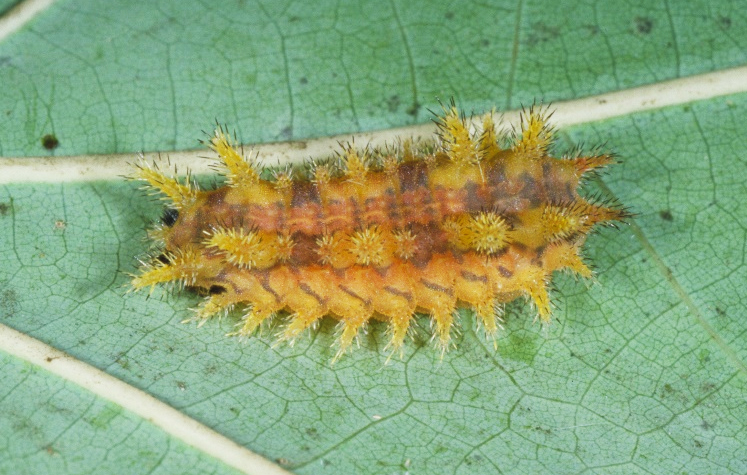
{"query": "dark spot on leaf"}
(123, 362)
(211, 369)
(666, 215)
(724, 22)
(4, 208)
(413, 109)
(542, 33)
(473, 460)
(170, 215)
(667, 390)
(8, 303)
(643, 25)
(50, 142)
(704, 356)
(392, 104)
(521, 347)
(303, 80)
(449, 15)
(287, 132)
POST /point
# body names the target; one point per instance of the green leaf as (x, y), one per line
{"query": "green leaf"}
(644, 373)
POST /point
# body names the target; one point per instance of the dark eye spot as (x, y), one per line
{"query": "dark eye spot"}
(216, 290)
(170, 215)
(163, 259)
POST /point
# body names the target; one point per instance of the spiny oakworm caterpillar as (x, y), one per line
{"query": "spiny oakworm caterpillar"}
(471, 218)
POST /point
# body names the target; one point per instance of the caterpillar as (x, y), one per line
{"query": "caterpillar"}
(470, 218)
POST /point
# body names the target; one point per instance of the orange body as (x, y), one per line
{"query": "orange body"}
(382, 234)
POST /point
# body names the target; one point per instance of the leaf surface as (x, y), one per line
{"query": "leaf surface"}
(643, 373)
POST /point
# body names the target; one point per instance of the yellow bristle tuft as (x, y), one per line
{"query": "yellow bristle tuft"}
(389, 164)
(283, 179)
(297, 325)
(248, 250)
(321, 174)
(443, 320)
(602, 214)
(283, 247)
(397, 331)
(328, 248)
(355, 166)
(158, 234)
(182, 267)
(489, 139)
(586, 164)
(213, 305)
(489, 317)
(252, 319)
(487, 232)
(404, 244)
(349, 329)
(536, 136)
(180, 195)
(239, 171)
(562, 222)
(408, 153)
(368, 246)
(331, 251)
(455, 229)
(536, 288)
(456, 138)
(564, 255)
